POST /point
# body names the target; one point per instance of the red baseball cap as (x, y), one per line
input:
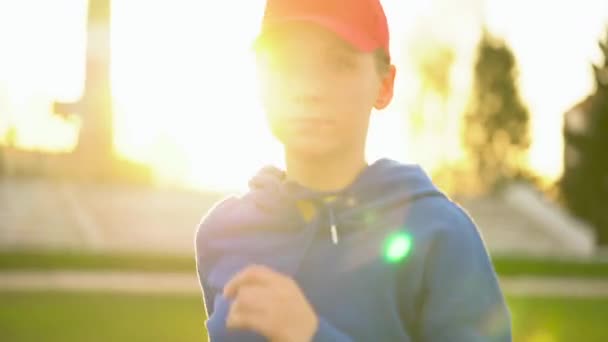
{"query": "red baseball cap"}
(362, 23)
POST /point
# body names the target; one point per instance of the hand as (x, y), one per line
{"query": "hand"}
(270, 304)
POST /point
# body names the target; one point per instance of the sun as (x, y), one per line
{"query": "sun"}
(184, 91)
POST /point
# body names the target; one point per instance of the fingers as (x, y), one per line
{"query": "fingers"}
(252, 299)
(269, 303)
(252, 275)
(246, 321)
(250, 310)
(259, 323)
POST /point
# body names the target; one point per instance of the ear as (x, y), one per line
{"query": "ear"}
(385, 95)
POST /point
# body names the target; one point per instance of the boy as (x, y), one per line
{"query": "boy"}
(334, 249)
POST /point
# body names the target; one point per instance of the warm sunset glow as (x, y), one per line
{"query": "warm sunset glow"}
(184, 81)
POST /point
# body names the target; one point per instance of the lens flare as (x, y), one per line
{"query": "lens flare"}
(397, 247)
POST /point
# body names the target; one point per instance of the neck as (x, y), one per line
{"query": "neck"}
(325, 174)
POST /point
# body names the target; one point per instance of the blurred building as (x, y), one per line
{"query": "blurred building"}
(95, 106)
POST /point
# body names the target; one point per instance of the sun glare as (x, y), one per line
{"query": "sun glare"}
(183, 82)
(183, 90)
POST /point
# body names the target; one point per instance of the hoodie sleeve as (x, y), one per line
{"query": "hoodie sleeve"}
(208, 222)
(328, 333)
(462, 298)
(207, 294)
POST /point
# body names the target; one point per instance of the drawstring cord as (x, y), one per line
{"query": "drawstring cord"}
(332, 226)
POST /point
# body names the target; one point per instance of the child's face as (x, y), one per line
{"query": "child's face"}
(318, 91)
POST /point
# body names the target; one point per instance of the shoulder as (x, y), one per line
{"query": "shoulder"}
(449, 223)
(221, 207)
(458, 241)
(215, 217)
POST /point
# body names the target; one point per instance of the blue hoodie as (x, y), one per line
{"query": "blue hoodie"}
(390, 259)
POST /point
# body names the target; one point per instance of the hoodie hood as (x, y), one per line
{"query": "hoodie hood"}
(382, 184)
(270, 206)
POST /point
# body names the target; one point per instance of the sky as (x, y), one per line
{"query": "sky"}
(184, 85)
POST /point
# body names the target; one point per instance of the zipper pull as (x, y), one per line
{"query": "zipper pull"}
(334, 234)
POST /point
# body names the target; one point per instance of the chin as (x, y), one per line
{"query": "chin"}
(310, 148)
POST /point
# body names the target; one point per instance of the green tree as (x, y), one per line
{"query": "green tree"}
(496, 123)
(584, 184)
(433, 60)
(434, 65)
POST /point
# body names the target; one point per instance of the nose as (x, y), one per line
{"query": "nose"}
(304, 87)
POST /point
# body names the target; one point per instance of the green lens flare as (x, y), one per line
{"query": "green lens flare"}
(397, 247)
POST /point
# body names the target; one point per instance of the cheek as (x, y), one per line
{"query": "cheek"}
(275, 114)
(354, 103)
(270, 100)
(359, 90)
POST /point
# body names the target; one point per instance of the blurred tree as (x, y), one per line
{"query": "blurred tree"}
(433, 61)
(584, 184)
(10, 138)
(9, 141)
(496, 123)
(433, 64)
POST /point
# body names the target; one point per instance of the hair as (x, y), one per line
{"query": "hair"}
(383, 62)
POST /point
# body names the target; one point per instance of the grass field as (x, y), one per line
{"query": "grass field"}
(71, 317)
(77, 260)
(559, 319)
(67, 317)
(79, 316)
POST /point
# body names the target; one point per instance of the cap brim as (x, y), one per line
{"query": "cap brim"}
(357, 39)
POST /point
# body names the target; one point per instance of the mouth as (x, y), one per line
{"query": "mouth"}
(321, 121)
(309, 124)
